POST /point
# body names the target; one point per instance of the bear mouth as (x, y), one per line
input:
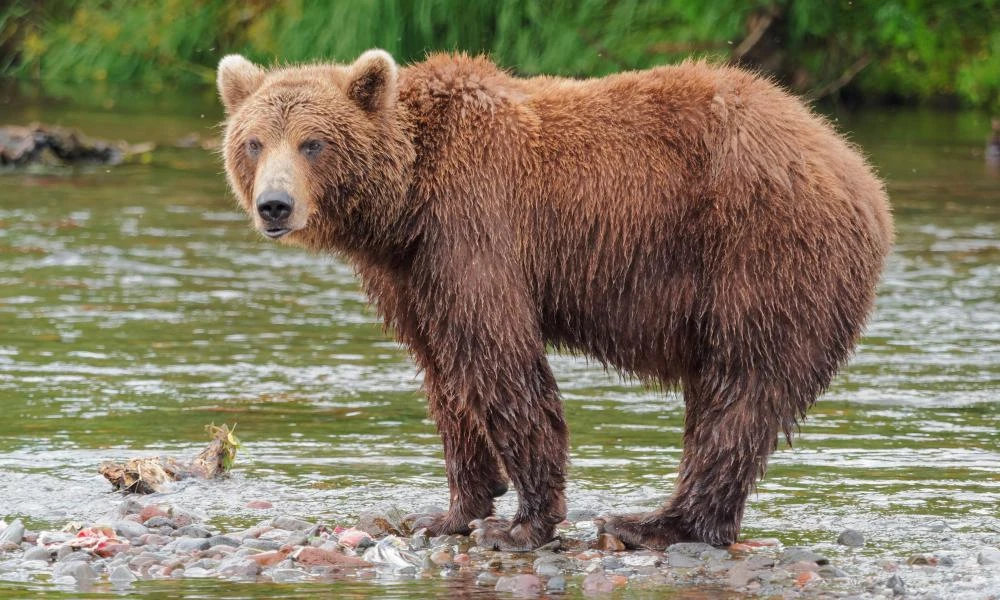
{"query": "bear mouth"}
(276, 232)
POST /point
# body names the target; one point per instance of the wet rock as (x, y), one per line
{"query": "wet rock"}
(285, 575)
(354, 538)
(311, 556)
(556, 584)
(109, 550)
(609, 543)
(259, 505)
(487, 579)
(806, 578)
(193, 530)
(129, 529)
(238, 568)
(296, 538)
(159, 521)
(896, 585)
(291, 523)
(121, 574)
(851, 538)
(683, 561)
(831, 572)
(989, 556)
(742, 574)
(10, 538)
(597, 583)
(38, 553)
(441, 557)
(68, 555)
(79, 570)
(269, 559)
(946, 561)
(190, 544)
(548, 569)
(223, 540)
(795, 554)
(519, 585)
(636, 560)
(261, 544)
(610, 563)
(382, 521)
(392, 553)
(695, 549)
(149, 511)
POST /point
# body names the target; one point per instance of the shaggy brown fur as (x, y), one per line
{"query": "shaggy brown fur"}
(690, 225)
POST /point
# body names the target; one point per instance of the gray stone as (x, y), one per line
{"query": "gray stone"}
(895, 583)
(637, 560)
(946, 561)
(297, 538)
(190, 544)
(10, 538)
(121, 574)
(287, 575)
(223, 540)
(290, 523)
(258, 544)
(796, 554)
(852, 538)
(238, 568)
(610, 563)
(486, 579)
(548, 569)
(682, 561)
(695, 549)
(38, 553)
(989, 556)
(520, 585)
(129, 529)
(556, 584)
(158, 522)
(194, 530)
(198, 572)
(831, 572)
(382, 521)
(77, 569)
(73, 555)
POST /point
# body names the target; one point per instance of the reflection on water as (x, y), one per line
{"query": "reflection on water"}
(136, 306)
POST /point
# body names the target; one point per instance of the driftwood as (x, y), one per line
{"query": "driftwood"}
(153, 474)
(55, 146)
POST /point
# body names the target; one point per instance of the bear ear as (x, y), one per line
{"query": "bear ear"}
(237, 79)
(372, 81)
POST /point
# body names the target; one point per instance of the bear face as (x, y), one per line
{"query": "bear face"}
(316, 154)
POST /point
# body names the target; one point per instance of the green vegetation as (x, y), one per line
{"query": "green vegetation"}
(911, 51)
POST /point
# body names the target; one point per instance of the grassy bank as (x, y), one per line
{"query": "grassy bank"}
(897, 51)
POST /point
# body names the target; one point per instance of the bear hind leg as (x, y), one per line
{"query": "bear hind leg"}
(731, 427)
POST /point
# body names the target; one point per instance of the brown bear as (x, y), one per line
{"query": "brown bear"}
(689, 225)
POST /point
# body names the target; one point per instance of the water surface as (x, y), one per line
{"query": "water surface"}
(136, 307)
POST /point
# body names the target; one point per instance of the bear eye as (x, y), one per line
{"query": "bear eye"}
(254, 147)
(311, 148)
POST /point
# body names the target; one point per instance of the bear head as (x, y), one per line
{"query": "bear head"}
(317, 155)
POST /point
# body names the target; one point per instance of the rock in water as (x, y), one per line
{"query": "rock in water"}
(989, 556)
(54, 146)
(852, 538)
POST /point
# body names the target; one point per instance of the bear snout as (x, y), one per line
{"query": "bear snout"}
(274, 208)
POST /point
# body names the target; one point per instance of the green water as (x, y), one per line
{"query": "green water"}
(136, 306)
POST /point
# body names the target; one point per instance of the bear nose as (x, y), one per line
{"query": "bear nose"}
(274, 206)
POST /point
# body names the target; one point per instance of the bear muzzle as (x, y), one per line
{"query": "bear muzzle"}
(274, 208)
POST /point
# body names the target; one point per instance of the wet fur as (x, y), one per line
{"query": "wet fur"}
(689, 225)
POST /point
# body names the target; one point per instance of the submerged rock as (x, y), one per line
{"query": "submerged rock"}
(851, 538)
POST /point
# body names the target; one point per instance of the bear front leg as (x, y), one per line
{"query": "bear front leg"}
(730, 430)
(525, 424)
(474, 475)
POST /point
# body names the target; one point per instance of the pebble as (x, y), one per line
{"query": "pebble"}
(190, 544)
(989, 556)
(159, 521)
(10, 538)
(895, 583)
(79, 570)
(794, 555)
(851, 538)
(238, 568)
(597, 583)
(129, 529)
(121, 574)
(224, 540)
(193, 530)
(38, 553)
(520, 585)
(556, 584)
(261, 544)
(290, 523)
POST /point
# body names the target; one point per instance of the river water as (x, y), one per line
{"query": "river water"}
(136, 307)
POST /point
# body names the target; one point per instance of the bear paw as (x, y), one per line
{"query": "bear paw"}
(443, 523)
(499, 534)
(643, 530)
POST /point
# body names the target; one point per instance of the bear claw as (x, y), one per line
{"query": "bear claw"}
(499, 534)
(641, 530)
